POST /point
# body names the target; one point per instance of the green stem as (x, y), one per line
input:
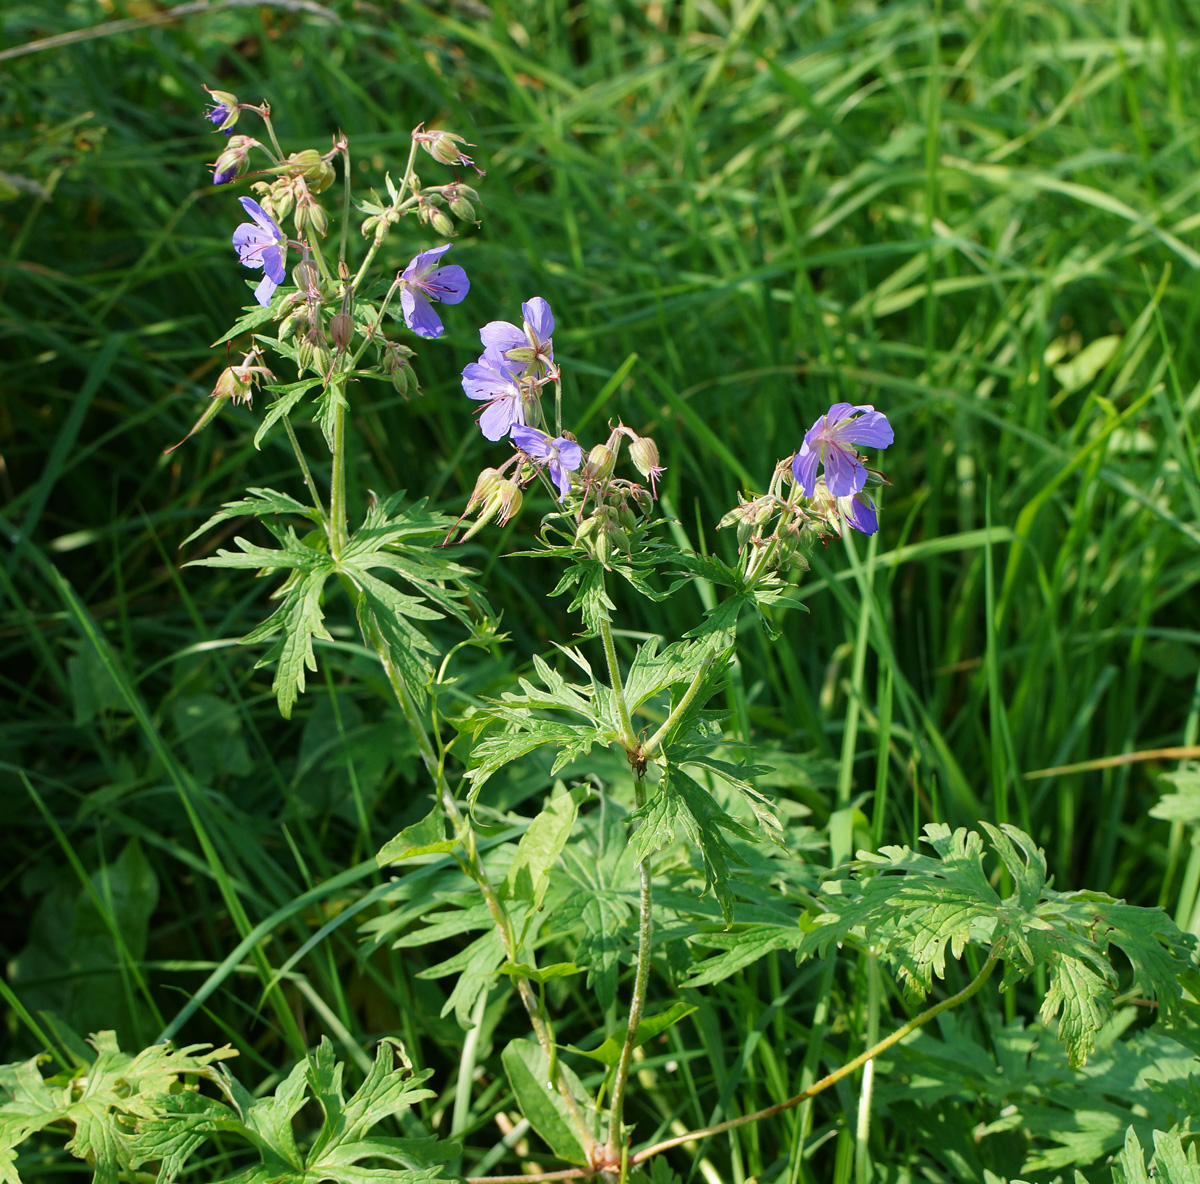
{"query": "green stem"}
(345, 235)
(381, 232)
(637, 1004)
(627, 737)
(466, 836)
(816, 1088)
(832, 1078)
(338, 526)
(274, 139)
(308, 477)
(651, 746)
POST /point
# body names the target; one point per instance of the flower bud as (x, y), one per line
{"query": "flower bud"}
(293, 323)
(341, 329)
(644, 454)
(322, 359)
(441, 222)
(502, 501)
(403, 376)
(234, 160)
(485, 485)
(304, 353)
(462, 209)
(307, 278)
(626, 517)
(600, 463)
(280, 199)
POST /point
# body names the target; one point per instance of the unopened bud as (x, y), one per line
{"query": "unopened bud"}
(403, 376)
(293, 323)
(304, 353)
(341, 329)
(600, 463)
(485, 486)
(308, 164)
(306, 277)
(441, 222)
(322, 359)
(626, 517)
(501, 502)
(462, 209)
(310, 213)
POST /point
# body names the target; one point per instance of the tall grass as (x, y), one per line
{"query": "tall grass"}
(980, 218)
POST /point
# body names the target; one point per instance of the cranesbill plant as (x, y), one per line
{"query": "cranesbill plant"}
(628, 866)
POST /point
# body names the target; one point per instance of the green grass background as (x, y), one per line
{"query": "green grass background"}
(980, 217)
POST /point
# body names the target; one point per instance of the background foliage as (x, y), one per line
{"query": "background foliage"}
(979, 217)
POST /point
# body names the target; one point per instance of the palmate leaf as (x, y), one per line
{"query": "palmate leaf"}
(682, 810)
(100, 1103)
(919, 910)
(343, 1149)
(259, 503)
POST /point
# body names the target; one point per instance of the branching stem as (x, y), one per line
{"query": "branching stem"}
(816, 1088)
(466, 836)
(651, 745)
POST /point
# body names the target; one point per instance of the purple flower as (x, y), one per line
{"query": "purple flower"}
(422, 281)
(493, 378)
(223, 110)
(858, 511)
(562, 456)
(830, 441)
(261, 244)
(530, 345)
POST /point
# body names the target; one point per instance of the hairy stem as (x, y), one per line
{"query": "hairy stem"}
(816, 1088)
(627, 738)
(651, 746)
(338, 527)
(637, 1004)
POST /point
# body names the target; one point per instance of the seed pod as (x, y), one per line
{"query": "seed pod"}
(341, 329)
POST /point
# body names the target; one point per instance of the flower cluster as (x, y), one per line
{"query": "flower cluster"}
(509, 378)
(802, 505)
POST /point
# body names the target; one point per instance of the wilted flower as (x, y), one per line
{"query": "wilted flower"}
(236, 385)
(261, 244)
(493, 378)
(223, 110)
(530, 345)
(644, 454)
(829, 441)
(422, 281)
(443, 147)
(562, 456)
